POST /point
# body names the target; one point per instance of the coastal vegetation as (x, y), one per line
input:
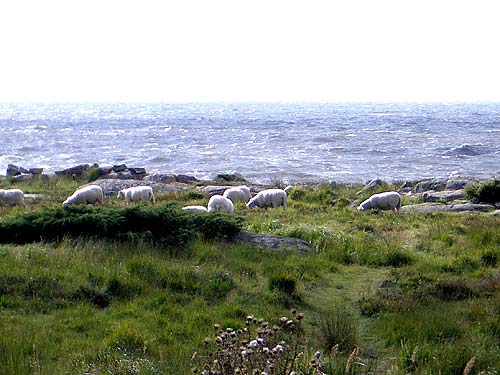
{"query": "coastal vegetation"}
(150, 289)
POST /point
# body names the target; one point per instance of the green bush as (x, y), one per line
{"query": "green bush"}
(283, 283)
(488, 192)
(164, 224)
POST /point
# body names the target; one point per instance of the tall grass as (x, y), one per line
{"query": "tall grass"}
(136, 290)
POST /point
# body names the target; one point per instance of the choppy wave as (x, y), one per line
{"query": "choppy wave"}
(290, 142)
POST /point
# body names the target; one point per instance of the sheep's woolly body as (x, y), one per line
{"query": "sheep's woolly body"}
(137, 193)
(238, 194)
(90, 194)
(195, 208)
(390, 200)
(269, 198)
(11, 197)
(218, 203)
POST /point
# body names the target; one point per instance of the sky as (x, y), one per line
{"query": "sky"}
(273, 50)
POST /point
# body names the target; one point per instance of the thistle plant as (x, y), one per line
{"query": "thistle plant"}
(259, 349)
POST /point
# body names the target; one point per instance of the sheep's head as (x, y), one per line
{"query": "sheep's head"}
(121, 194)
(252, 203)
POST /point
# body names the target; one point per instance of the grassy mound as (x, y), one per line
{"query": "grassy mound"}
(164, 224)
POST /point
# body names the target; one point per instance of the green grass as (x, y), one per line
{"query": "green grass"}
(415, 293)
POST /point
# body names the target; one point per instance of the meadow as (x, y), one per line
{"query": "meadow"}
(138, 290)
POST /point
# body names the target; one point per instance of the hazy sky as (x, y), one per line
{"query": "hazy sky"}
(187, 50)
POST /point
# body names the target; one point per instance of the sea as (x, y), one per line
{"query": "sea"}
(264, 142)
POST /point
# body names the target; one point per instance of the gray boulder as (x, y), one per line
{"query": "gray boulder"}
(13, 170)
(163, 178)
(73, 171)
(458, 183)
(273, 242)
(137, 171)
(119, 168)
(105, 169)
(372, 185)
(185, 179)
(435, 184)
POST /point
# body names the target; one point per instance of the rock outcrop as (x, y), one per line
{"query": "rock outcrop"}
(424, 208)
(273, 242)
(111, 186)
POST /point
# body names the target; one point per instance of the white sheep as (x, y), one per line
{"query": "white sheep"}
(238, 194)
(11, 197)
(90, 194)
(218, 203)
(269, 198)
(137, 193)
(390, 200)
(195, 208)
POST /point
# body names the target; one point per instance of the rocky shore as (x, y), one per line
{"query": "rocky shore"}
(429, 195)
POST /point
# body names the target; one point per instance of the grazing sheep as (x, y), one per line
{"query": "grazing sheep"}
(90, 194)
(137, 193)
(218, 203)
(390, 200)
(238, 194)
(11, 197)
(269, 198)
(288, 189)
(195, 208)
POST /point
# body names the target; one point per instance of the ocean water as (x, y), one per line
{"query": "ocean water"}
(344, 142)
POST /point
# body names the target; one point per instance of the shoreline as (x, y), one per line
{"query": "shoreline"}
(124, 172)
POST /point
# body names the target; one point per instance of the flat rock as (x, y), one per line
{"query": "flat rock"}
(111, 186)
(451, 207)
(443, 196)
(211, 190)
(273, 242)
(123, 176)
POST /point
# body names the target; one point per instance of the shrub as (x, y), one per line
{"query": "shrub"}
(488, 192)
(489, 258)
(452, 290)
(397, 258)
(92, 174)
(283, 283)
(336, 327)
(165, 224)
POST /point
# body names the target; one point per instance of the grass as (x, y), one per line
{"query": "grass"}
(385, 292)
